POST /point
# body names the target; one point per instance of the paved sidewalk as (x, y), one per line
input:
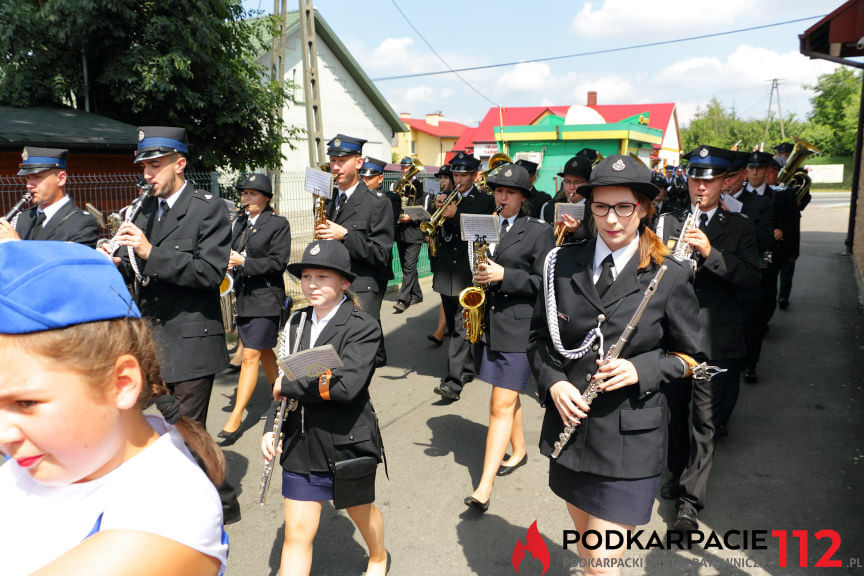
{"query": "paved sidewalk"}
(794, 459)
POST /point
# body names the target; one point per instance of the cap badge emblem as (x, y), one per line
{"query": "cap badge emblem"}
(25, 155)
(508, 173)
(208, 196)
(252, 178)
(337, 142)
(316, 249)
(140, 135)
(619, 165)
(703, 153)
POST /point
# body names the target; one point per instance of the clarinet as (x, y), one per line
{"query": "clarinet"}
(592, 391)
(12, 216)
(284, 406)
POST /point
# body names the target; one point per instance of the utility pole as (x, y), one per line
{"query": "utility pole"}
(277, 74)
(311, 86)
(775, 87)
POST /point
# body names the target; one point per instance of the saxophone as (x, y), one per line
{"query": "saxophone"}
(473, 297)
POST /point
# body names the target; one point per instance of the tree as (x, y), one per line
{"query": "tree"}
(146, 62)
(716, 126)
(835, 111)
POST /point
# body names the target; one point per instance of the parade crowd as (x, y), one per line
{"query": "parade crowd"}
(635, 300)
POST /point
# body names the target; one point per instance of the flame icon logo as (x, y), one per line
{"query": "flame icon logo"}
(533, 543)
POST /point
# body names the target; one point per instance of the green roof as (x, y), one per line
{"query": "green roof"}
(292, 24)
(63, 127)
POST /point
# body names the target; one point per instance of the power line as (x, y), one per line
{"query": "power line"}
(450, 69)
(581, 54)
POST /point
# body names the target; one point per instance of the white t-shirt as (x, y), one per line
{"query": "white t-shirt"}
(160, 490)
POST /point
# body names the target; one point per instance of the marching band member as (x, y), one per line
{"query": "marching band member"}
(335, 420)
(609, 470)
(431, 204)
(54, 216)
(181, 242)
(724, 245)
(260, 250)
(409, 238)
(93, 486)
(537, 199)
(576, 172)
(512, 275)
(363, 221)
(453, 271)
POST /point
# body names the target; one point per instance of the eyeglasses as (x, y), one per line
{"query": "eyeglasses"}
(622, 209)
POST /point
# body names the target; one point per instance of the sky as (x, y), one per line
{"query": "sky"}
(736, 69)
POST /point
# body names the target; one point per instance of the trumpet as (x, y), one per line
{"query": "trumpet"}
(683, 250)
(560, 232)
(430, 227)
(496, 160)
(12, 215)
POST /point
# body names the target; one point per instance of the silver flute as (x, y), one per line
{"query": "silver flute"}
(614, 352)
(284, 407)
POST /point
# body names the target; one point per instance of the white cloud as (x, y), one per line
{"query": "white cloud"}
(526, 77)
(622, 18)
(610, 90)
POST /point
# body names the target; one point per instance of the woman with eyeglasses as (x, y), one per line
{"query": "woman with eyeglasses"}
(609, 470)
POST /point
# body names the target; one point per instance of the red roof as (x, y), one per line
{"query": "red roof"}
(444, 129)
(521, 116)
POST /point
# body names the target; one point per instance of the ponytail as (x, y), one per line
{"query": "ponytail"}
(651, 248)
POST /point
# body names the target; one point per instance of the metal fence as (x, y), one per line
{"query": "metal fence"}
(109, 192)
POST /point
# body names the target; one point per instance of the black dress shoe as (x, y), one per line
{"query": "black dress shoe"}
(686, 520)
(434, 340)
(671, 489)
(477, 505)
(232, 369)
(722, 431)
(399, 307)
(507, 470)
(750, 375)
(447, 392)
(784, 304)
(229, 438)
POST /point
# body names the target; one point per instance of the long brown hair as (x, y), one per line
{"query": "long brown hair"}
(651, 248)
(91, 350)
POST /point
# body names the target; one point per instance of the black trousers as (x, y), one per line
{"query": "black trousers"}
(370, 302)
(194, 397)
(460, 361)
(705, 408)
(769, 292)
(787, 270)
(409, 254)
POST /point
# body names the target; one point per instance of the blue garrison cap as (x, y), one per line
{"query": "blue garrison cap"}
(34, 160)
(708, 162)
(343, 145)
(372, 166)
(47, 285)
(464, 162)
(158, 141)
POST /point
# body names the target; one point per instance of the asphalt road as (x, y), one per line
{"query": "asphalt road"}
(794, 459)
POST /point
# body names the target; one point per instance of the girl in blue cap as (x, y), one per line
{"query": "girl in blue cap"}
(334, 423)
(81, 492)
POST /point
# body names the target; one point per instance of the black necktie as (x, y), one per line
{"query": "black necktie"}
(243, 236)
(703, 221)
(340, 204)
(164, 205)
(38, 231)
(606, 278)
(505, 225)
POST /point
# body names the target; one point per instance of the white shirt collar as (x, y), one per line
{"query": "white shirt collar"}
(349, 191)
(620, 257)
(253, 219)
(710, 213)
(51, 210)
(760, 191)
(171, 200)
(318, 325)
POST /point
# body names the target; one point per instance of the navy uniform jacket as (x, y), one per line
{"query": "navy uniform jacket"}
(452, 269)
(187, 263)
(788, 218)
(510, 303)
(624, 435)
(724, 280)
(409, 232)
(368, 217)
(69, 224)
(536, 201)
(323, 432)
(760, 211)
(259, 284)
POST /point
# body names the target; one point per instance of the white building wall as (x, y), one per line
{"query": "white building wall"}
(669, 149)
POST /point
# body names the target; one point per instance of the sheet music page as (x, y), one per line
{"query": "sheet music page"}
(577, 211)
(310, 363)
(318, 182)
(476, 226)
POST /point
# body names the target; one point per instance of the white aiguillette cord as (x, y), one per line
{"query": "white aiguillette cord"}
(552, 315)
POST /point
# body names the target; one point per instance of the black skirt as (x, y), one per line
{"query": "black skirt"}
(623, 501)
(258, 333)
